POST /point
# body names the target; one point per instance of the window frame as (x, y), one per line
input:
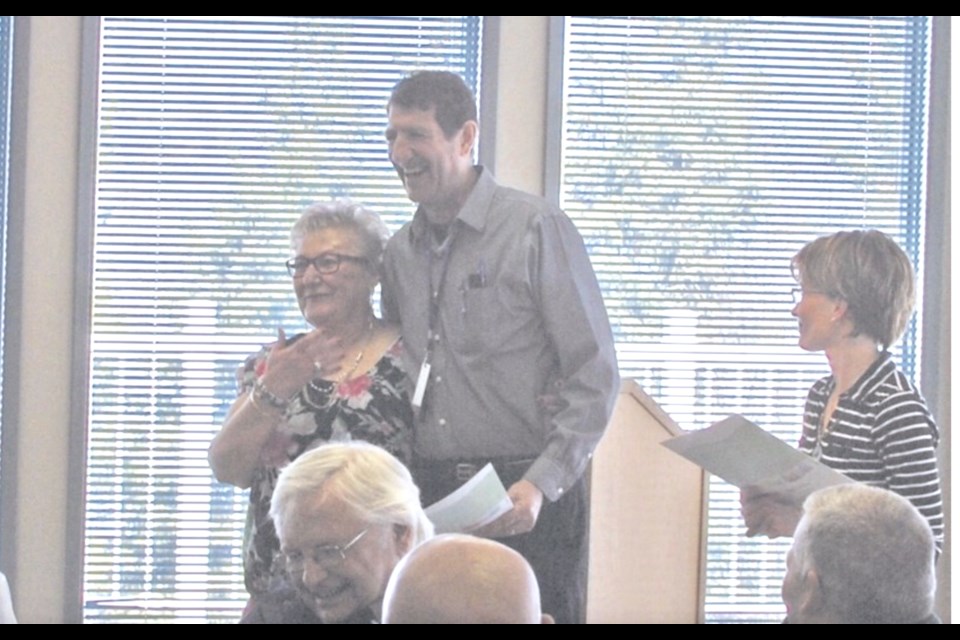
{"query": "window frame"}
(83, 321)
(83, 278)
(935, 345)
(11, 253)
(933, 340)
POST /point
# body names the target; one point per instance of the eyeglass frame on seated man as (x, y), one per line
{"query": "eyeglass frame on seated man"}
(324, 263)
(325, 555)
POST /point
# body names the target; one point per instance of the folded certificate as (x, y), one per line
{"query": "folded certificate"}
(481, 500)
(745, 455)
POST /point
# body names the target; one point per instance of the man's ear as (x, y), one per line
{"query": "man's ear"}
(812, 600)
(467, 137)
(403, 538)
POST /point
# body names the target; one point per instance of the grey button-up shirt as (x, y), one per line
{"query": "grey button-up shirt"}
(519, 315)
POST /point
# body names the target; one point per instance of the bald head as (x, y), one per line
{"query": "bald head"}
(458, 578)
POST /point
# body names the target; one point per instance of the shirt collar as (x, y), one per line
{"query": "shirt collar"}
(874, 376)
(473, 214)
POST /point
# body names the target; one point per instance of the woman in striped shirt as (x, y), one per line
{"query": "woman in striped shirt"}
(865, 419)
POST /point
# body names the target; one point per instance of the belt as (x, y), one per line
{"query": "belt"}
(458, 471)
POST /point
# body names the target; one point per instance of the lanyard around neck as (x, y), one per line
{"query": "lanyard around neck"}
(436, 294)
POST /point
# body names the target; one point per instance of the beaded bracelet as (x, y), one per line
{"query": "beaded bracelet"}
(261, 393)
(264, 411)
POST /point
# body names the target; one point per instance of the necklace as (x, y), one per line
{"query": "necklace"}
(826, 424)
(356, 361)
(324, 395)
(826, 419)
(349, 372)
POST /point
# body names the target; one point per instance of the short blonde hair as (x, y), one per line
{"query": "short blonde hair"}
(870, 272)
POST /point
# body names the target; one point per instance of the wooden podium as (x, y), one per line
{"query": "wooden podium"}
(647, 520)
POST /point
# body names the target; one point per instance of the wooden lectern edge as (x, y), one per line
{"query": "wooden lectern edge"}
(632, 387)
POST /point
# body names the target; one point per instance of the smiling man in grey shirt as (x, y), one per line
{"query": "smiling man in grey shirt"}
(507, 340)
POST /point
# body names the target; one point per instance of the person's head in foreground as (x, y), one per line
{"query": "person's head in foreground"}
(458, 578)
(860, 555)
(853, 284)
(345, 514)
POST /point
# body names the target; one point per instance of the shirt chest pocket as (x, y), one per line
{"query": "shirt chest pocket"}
(494, 318)
(480, 312)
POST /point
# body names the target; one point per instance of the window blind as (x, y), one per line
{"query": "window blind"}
(214, 133)
(699, 154)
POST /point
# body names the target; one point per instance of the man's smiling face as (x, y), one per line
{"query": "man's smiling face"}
(338, 587)
(434, 168)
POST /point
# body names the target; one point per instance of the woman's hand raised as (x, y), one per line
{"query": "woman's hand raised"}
(291, 365)
(235, 451)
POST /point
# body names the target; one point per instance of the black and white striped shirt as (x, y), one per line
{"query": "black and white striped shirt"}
(881, 434)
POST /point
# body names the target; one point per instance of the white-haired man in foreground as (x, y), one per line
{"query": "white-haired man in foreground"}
(345, 514)
(860, 555)
(462, 579)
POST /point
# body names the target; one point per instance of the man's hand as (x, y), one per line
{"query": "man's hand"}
(551, 401)
(764, 514)
(527, 500)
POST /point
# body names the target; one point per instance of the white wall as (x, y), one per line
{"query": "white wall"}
(49, 203)
(522, 102)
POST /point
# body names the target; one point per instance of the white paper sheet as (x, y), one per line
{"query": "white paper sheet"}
(481, 500)
(745, 455)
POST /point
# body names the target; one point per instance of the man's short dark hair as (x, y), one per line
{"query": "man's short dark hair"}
(452, 100)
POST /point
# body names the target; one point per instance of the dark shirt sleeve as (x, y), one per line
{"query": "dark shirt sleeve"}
(907, 437)
(280, 606)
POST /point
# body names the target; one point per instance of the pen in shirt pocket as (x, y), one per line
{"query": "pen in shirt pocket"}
(475, 280)
(478, 279)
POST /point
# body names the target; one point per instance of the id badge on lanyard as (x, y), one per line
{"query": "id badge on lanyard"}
(423, 379)
(421, 388)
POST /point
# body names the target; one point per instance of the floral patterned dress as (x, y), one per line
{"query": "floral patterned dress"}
(374, 407)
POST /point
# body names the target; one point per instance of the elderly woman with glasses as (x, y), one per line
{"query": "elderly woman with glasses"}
(339, 381)
(865, 419)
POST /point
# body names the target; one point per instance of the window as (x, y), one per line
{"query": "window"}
(698, 155)
(6, 44)
(214, 133)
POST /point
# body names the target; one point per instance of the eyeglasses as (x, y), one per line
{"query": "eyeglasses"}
(325, 555)
(323, 263)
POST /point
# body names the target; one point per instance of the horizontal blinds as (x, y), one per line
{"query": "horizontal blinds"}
(698, 155)
(214, 133)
